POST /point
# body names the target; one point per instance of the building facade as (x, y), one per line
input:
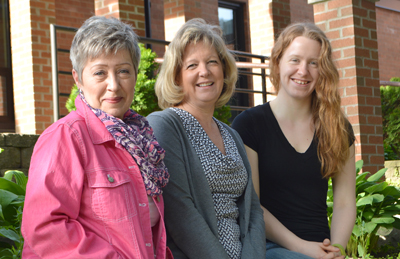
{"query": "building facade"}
(361, 33)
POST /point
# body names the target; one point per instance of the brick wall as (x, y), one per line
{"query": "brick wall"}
(157, 25)
(388, 28)
(351, 27)
(129, 11)
(177, 12)
(70, 13)
(31, 63)
(17, 152)
(301, 11)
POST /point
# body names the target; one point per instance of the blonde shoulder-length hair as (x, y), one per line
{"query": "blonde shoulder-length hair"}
(333, 132)
(168, 92)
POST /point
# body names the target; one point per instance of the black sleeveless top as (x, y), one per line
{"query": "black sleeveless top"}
(291, 185)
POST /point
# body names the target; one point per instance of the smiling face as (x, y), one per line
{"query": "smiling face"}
(201, 76)
(298, 68)
(108, 83)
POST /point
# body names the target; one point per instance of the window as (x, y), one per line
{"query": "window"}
(231, 21)
(7, 123)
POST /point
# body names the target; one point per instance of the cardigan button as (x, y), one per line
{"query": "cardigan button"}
(110, 179)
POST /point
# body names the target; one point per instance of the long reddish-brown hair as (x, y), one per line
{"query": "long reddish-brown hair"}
(331, 126)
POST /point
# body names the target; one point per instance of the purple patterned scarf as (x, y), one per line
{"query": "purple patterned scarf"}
(136, 136)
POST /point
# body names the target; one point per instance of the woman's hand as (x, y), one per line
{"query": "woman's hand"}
(332, 251)
(319, 250)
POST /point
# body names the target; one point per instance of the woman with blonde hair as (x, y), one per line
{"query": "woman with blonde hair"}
(211, 208)
(298, 141)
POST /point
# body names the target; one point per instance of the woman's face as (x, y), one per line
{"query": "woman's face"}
(108, 83)
(201, 75)
(298, 68)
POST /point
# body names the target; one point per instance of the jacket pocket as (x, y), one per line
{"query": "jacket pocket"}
(112, 195)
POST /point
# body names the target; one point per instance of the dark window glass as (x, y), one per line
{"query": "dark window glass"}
(231, 21)
(7, 123)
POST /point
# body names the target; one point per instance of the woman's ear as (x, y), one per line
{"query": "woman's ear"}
(76, 78)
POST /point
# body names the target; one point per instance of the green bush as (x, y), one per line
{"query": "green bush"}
(145, 99)
(12, 197)
(390, 99)
(377, 204)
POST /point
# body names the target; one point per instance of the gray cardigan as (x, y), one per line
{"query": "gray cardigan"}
(189, 207)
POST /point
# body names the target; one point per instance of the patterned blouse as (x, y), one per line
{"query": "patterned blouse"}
(226, 176)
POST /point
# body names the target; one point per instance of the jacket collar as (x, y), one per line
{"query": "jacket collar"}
(97, 131)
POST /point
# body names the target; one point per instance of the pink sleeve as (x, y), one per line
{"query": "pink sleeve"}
(53, 198)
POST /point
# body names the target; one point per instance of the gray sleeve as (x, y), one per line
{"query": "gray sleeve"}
(191, 236)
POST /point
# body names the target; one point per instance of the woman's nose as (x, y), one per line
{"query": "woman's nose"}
(204, 72)
(112, 82)
(302, 69)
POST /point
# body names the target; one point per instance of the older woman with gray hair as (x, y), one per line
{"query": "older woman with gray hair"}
(211, 208)
(96, 176)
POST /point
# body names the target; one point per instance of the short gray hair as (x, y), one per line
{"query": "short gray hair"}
(100, 35)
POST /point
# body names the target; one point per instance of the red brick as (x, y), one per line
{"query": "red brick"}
(341, 23)
(373, 44)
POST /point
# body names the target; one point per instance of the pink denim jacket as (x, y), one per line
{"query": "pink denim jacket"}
(86, 198)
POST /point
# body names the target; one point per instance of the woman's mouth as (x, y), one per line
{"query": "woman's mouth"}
(205, 84)
(301, 82)
(113, 99)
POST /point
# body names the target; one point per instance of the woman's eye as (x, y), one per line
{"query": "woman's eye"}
(294, 60)
(314, 63)
(124, 71)
(99, 73)
(213, 61)
(191, 65)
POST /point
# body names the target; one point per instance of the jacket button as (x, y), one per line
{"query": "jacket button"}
(110, 179)
(148, 244)
(243, 235)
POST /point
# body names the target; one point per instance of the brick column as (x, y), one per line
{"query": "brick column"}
(351, 27)
(177, 12)
(129, 11)
(267, 19)
(157, 25)
(31, 63)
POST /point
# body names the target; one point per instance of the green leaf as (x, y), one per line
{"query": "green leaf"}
(369, 200)
(6, 198)
(376, 188)
(368, 215)
(359, 165)
(378, 175)
(384, 230)
(361, 187)
(10, 234)
(360, 250)
(361, 177)
(370, 227)
(391, 191)
(356, 231)
(393, 207)
(11, 186)
(20, 178)
(383, 220)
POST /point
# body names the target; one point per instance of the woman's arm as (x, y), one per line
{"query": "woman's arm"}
(276, 231)
(52, 204)
(187, 227)
(253, 243)
(344, 202)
